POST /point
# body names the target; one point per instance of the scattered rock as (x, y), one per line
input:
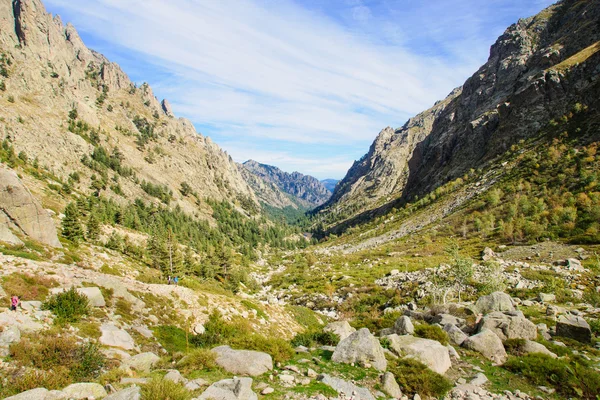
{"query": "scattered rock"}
(142, 362)
(175, 376)
(429, 352)
(349, 389)
(508, 326)
(403, 326)
(243, 362)
(497, 301)
(479, 380)
(362, 348)
(546, 297)
(33, 394)
(574, 327)
(85, 391)
(230, 389)
(390, 386)
(116, 337)
(488, 344)
(340, 328)
(534, 347)
(455, 334)
(94, 295)
(131, 393)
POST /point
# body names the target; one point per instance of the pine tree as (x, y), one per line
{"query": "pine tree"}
(71, 226)
(93, 228)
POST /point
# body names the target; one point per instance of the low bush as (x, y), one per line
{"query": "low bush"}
(27, 287)
(569, 378)
(315, 338)
(514, 346)
(172, 338)
(162, 389)
(59, 355)
(239, 335)
(432, 332)
(198, 360)
(68, 306)
(414, 377)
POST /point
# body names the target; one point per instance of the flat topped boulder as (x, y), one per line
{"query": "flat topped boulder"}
(230, 389)
(508, 326)
(142, 362)
(243, 362)
(361, 347)
(574, 327)
(430, 352)
(340, 328)
(497, 301)
(488, 344)
(115, 337)
(85, 391)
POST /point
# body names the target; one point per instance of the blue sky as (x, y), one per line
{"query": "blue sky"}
(303, 85)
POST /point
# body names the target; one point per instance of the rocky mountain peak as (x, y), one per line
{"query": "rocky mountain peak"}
(309, 190)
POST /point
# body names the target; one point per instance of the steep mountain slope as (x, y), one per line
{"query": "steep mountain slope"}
(307, 189)
(63, 103)
(537, 70)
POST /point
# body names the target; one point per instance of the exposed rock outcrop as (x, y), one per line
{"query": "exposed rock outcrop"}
(361, 348)
(22, 213)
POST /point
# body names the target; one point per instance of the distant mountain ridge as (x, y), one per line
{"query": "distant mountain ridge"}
(330, 184)
(307, 189)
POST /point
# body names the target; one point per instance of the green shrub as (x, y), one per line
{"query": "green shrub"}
(432, 332)
(69, 306)
(314, 338)
(53, 352)
(414, 377)
(570, 379)
(198, 360)
(514, 346)
(171, 338)
(161, 389)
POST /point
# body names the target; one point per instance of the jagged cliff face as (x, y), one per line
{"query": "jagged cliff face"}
(51, 72)
(383, 171)
(536, 71)
(269, 193)
(309, 191)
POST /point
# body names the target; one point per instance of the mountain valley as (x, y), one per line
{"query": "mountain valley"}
(459, 258)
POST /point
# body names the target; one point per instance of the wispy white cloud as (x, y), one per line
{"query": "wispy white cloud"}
(280, 71)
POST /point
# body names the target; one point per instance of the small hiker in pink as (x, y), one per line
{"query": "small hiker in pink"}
(14, 303)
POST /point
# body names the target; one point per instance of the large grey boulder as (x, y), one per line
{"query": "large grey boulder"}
(349, 389)
(497, 301)
(390, 386)
(534, 347)
(508, 326)
(574, 327)
(243, 362)
(488, 344)
(94, 296)
(142, 362)
(455, 334)
(84, 391)
(403, 326)
(361, 347)
(340, 328)
(230, 389)
(429, 352)
(115, 337)
(33, 394)
(20, 212)
(131, 393)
